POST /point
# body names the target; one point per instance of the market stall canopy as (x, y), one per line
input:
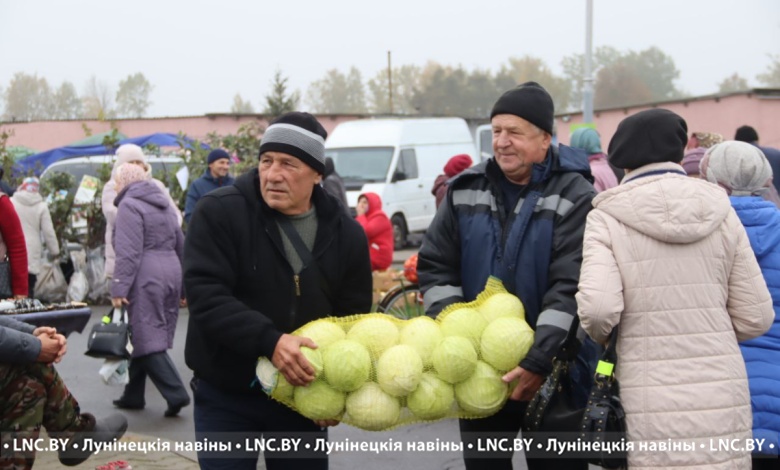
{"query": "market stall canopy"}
(40, 161)
(18, 152)
(96, 139)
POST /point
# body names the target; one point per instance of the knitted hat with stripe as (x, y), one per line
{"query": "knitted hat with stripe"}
(297, 134)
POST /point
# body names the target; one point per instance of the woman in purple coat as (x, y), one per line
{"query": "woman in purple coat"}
(148, 279)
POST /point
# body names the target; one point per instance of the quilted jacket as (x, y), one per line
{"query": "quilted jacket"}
(666, 256)
(149, 244)
(36, 224)
(762, 355)
(109, 211)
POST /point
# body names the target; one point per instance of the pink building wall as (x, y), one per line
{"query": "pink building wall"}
(722, 114)
(716, 113)
(45, 135)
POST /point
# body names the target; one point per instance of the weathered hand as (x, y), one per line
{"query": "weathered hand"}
(63, 346)
(50, 349)
(117, 302)
(289, 360)
(44, 330)
(528, 383)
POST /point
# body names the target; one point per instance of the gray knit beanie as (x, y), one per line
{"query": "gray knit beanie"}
(297, 134)
(740, 168)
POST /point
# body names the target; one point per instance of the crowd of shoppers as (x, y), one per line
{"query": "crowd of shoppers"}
(681, 250)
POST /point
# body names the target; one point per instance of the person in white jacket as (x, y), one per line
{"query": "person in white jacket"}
(666, 257)
(127, 153)
(37, 227)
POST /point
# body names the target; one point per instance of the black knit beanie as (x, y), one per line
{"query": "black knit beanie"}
(297, 134)
(529, 101)
(652, 136)
(217, 154)
(746, 134)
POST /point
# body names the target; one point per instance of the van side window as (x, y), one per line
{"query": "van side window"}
(407, 165)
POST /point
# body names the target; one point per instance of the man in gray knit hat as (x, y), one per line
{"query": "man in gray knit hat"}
(264, 257)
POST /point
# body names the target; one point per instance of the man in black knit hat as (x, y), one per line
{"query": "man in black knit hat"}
(249, 285)
(518, 216)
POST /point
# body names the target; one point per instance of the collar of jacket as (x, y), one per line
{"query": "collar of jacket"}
(666, 167)
(218, 181)
(329, 212)
(559, 159)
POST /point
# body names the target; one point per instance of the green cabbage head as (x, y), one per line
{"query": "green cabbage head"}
(432, 399)
(484, 393)
(319, 401)
(347, 365)
(398, 370)
(372, 409)
(454, 359)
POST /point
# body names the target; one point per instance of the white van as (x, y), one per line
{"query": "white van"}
(398, 159)
(484, 139)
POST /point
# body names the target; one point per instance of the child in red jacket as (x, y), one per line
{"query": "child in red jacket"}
(378, 229)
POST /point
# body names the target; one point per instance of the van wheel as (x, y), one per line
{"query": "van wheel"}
(399, 232)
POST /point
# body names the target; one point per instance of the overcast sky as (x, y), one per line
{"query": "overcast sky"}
(198, 54)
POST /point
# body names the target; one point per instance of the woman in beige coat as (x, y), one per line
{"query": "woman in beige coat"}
(667, 257)
(37, 226)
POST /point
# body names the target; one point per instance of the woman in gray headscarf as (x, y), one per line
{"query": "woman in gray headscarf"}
(744, 172)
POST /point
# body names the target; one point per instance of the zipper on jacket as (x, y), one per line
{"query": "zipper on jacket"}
(297, 280)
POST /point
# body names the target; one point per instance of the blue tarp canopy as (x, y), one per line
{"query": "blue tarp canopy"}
(40, 161)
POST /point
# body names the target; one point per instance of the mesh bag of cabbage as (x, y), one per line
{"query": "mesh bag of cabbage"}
(377, 372)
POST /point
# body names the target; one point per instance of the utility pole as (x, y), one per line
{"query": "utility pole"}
(390, 82)
(587, 81)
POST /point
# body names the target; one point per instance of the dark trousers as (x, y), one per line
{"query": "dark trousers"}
(31, 280)
(161, 370)
(240, 419)
(504, 424)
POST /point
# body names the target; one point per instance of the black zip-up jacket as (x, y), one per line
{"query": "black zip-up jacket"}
(240, 286)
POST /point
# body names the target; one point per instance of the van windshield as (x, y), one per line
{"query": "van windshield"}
(361, 165)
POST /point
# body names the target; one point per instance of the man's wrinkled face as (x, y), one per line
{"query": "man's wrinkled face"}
(517, 145)
(286, 183)
(219, 168)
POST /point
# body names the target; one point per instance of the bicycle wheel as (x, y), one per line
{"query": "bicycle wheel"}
(404, 302)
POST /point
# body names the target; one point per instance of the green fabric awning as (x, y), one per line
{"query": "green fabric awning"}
(96, 139)
(20, 151)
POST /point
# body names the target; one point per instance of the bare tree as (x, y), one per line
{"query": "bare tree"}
(27, 98)
(733, 83)
(528, 68)
(96, 100)
(338, 93)
(65, 102)
(771, 77)
(240, 106)
(652, 68)
(406, 80)
(132, 99)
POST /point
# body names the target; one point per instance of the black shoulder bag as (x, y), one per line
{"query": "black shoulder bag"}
(111, 339)
(600, 424)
